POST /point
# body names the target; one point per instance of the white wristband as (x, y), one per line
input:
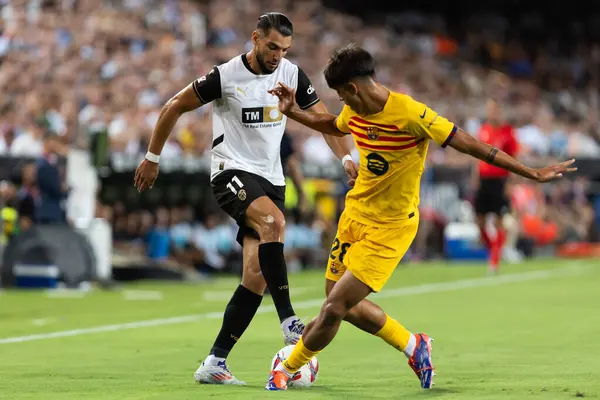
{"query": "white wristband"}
(152, 157)
(347, 157)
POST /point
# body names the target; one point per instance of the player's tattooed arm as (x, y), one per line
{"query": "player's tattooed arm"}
(491, 155)
(467, 144)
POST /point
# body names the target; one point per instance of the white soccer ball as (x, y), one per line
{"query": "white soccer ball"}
(306, 376)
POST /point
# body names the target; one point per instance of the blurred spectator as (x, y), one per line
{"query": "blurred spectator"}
(316, 151)
(8, 213)
(292, 168)
(303, 241)
(51, 184)
(127, 233)
(570, 209)
(158, 246)
(26, 196)
(529, 205)
(100, 66)
(100, 69)
(181, 228)
(7, 137)
(30, 143)
(181, 235)
(580, 144)
(216, 240)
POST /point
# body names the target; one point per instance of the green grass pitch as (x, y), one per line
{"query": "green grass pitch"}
(531, 332)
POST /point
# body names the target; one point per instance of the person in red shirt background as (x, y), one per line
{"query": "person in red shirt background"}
(490, 197)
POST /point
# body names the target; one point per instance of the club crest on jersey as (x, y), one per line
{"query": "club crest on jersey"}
(242, 194)
(334, 268)
(373, 133)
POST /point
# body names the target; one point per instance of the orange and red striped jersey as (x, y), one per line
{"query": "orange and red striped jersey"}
(393, 146)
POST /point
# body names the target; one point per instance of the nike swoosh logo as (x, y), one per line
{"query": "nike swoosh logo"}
(423, 115)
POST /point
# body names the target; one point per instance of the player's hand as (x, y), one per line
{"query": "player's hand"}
(553, 172)
(351, 169)
(286, 95)
(145, 175)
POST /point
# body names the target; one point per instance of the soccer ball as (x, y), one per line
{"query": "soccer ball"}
(306, 376)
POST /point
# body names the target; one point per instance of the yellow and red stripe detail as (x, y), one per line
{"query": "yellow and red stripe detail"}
(399, 140)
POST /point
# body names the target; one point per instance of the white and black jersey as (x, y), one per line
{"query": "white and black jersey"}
(247, 124)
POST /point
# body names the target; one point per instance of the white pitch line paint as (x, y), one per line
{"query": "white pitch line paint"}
(43, 321)
(480, 282)
(217, 295)
(66, 293)
(153, 295)
(398, 292)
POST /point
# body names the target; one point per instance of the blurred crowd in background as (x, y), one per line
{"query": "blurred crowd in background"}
(73, 70)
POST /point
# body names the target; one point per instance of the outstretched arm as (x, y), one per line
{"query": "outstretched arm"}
(467, 144)
(322, 122)
(319, 121)
(425, 122)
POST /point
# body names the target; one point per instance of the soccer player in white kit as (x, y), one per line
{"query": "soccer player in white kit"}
(246, 174)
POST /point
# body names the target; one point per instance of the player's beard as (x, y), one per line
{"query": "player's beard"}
(264, 67)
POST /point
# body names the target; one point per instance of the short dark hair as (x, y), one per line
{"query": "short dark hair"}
(275, 20)
(348, 62)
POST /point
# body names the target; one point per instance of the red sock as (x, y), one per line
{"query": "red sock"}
(496, 250)
(485, 238)
(500, 238)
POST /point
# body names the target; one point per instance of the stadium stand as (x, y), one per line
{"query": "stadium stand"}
(94, 75)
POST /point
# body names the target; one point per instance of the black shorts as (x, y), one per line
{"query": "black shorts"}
(235, 190)
(491, 197)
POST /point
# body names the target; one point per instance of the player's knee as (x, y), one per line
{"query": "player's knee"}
(353, 316)
(272, 228)
(333, 312)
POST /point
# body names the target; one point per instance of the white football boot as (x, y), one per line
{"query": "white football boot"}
(292, 328)
(216, 372)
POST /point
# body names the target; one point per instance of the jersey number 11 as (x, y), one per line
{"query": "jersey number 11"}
(237, 182)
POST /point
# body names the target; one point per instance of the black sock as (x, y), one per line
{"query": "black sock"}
(274, 270)
(238, 315)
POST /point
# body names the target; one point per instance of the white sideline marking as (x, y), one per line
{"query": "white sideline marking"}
(142, 295)
(43, 321)
(217, 295)
(398, 292)
(66, 293)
